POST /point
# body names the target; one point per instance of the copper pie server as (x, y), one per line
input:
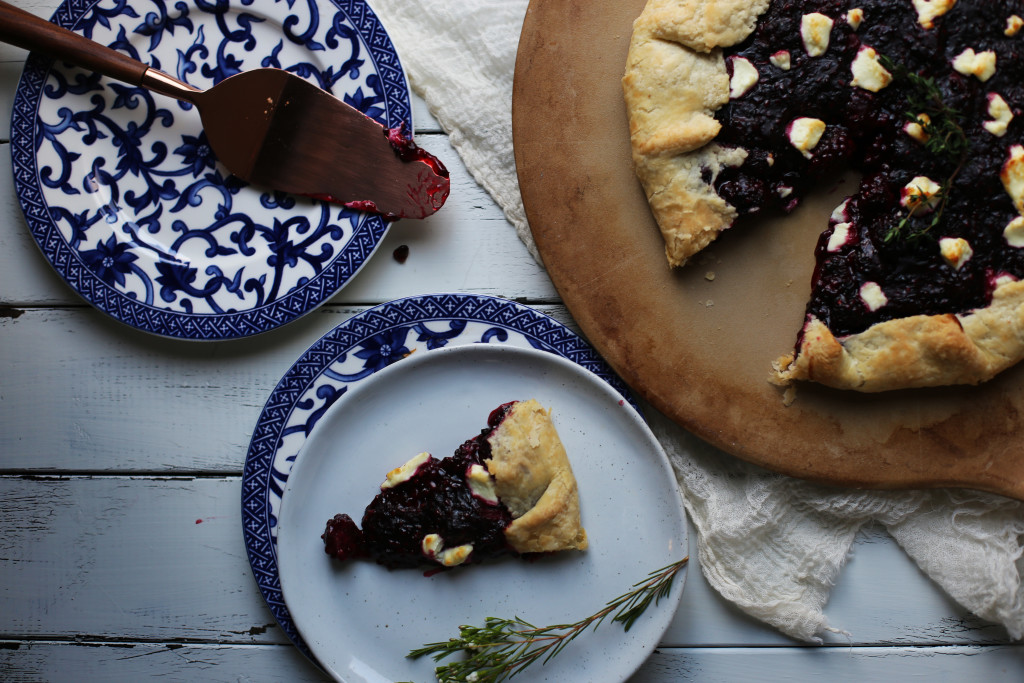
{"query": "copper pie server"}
(271, 128)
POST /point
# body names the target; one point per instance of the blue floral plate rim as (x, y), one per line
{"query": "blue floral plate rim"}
(143, 281)
(351, 353)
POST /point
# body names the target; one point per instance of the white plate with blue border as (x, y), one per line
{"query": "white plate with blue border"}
(349, 357)
(125, 199)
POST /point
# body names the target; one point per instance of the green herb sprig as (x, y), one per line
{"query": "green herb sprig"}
(899, 229)
(944, 137)
(504, 647)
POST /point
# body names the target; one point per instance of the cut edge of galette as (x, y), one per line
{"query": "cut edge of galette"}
(675, 81)
(510, 490)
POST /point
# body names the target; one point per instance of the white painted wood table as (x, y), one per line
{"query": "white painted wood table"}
(122, 557)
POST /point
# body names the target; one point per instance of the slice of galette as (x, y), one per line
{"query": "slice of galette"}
(738, 108)
(508, 490)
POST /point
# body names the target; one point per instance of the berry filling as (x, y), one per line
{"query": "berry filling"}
(430, 512)
(917, 112)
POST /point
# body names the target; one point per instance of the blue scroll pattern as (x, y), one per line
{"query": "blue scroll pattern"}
(126, 199)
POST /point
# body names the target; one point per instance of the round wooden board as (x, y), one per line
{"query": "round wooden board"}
(698, 342)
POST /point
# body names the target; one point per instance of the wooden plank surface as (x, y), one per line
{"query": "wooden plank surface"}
(155, 558)
(132, 662)
(121, 400)
(120, 459)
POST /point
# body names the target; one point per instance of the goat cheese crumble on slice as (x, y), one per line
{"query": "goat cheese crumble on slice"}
(916, 129)
(451, 557)
(1012, 176)
(781, 59)
(1013, 25)
(1013, 233)
(481, 484)
(405, 472)
(839, 237)
(855, 17)
(839, 213)
(920, 190)
(431, 545)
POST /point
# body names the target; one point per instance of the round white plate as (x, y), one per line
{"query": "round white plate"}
(129, 205)
(360, 620)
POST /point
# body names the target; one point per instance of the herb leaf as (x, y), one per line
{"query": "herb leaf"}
(501, 648)
(940, 122)
(944, 137)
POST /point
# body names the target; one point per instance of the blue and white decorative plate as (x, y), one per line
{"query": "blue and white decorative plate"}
(360, 621)
(125, 199)
(351, 353)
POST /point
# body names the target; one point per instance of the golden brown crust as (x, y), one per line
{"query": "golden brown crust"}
(534, 480)
(917, 351)
(701, 25)
(674, 82)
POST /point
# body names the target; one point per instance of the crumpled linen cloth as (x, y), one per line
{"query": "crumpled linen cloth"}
(770, 544)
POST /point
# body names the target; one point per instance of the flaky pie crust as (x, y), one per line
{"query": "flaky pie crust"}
(534, 480)
(675, 80)
(917, 351)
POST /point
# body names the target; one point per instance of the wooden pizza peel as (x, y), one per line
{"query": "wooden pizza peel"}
(697, 343)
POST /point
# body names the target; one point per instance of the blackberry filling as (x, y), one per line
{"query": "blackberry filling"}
(448, 512)
(881, 257)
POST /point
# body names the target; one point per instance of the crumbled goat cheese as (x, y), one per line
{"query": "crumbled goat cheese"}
(405, 472)
(868, 72)
(956, 251)
(930, 10)
(814, 31)
(981, 65)
(804, 134)
(872, 296)
(1000, 113)
(920, 190)
(744, 77)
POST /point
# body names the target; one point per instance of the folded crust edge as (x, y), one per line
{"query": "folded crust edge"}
(913, 352)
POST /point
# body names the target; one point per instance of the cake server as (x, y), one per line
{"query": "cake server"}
(272, 128)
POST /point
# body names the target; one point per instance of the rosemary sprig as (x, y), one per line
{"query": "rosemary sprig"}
(944, 137)
(941, 122)
(504, 647)
(897, 230)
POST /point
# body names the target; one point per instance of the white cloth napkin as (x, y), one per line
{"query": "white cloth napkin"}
(771, 544)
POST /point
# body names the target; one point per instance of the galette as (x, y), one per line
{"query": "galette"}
(508, 490)
(740, 108)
